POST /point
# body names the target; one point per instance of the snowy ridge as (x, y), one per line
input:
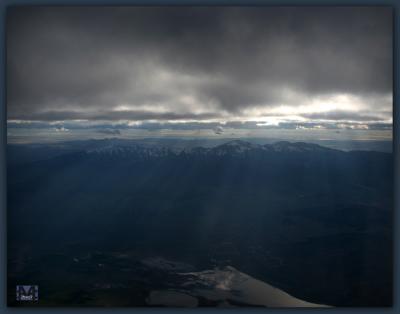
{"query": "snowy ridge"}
(117, 150)
(235, 147)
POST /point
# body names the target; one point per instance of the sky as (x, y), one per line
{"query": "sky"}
(199, 71)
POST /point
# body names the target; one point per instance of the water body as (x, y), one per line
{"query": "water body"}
(226, 287)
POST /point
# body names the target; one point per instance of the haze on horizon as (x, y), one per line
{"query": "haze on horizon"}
(90, 72)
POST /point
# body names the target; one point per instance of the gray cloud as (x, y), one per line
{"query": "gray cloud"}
(109, 131)
(345, 115)
(136, 115)
(216, 127)
(218, 130)
(182, 63)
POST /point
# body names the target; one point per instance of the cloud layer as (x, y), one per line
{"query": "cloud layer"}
(207, 65)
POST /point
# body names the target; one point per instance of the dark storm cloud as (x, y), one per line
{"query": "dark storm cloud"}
(81, 63)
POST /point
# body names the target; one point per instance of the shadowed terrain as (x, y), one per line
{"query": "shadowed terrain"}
(86, 217)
